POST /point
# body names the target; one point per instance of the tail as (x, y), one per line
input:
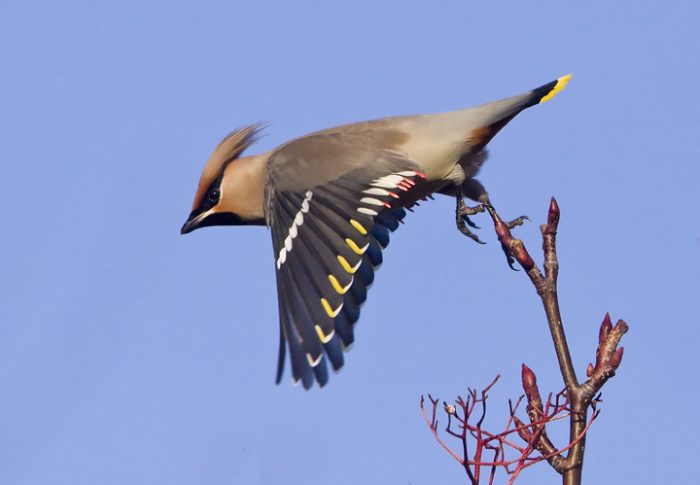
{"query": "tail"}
(507, 108)
(548, 91)
(487, 119)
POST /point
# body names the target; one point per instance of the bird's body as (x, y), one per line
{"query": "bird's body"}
(331, 198)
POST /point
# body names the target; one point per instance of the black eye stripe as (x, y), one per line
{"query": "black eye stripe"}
(210, 199)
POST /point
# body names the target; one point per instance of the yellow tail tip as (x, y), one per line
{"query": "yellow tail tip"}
(561, 84)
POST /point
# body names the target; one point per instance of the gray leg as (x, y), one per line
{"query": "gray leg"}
(473, 189)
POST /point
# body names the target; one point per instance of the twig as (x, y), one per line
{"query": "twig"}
(608, 356)
(570, 404)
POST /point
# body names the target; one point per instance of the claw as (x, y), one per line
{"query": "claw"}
(470, 223)
(509, 258)
(462, 227)
(517, 222)
(465, 210)
(462, 214)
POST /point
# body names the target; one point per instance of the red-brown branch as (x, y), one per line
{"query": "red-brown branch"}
(608, 356)
(570, 404)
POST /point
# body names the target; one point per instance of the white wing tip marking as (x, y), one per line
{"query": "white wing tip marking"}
(282, 257)
(388, 181)
(294, 229)
(365, 210)
(312, 362)
(323, 337)
(371, 201)
(376, 191)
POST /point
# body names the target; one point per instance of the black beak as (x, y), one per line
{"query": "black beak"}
(189, 226)
(196, 221)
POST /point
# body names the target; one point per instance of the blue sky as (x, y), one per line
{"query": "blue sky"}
(131, 354)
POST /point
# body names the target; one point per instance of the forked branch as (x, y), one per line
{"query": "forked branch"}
(495, 451)
(608, 355)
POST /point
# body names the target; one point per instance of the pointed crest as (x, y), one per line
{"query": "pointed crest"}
(227, 151)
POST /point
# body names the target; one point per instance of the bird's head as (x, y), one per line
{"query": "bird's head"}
(231, 187)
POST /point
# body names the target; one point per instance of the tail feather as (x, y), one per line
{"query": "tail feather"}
(495, 111)
(548, 91)
(487, 119)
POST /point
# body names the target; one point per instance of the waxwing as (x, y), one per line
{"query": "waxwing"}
(332, 197)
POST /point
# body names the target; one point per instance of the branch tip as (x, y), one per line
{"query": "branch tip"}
(617, 358)
(621, 326)
(529, 378)
(532, 392)
(554, 213)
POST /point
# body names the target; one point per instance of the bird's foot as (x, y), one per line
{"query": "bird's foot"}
(518, 221)
(462, 214)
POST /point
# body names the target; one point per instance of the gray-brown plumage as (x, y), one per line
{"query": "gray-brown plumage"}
(332, 197)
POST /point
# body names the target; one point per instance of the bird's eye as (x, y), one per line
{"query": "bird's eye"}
(214, 195)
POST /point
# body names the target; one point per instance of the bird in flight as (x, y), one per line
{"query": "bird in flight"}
(332, 197)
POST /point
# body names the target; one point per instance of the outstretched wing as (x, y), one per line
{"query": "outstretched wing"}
(331, 201)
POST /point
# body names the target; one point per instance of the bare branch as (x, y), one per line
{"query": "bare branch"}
(571, 404)
(608, 356)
